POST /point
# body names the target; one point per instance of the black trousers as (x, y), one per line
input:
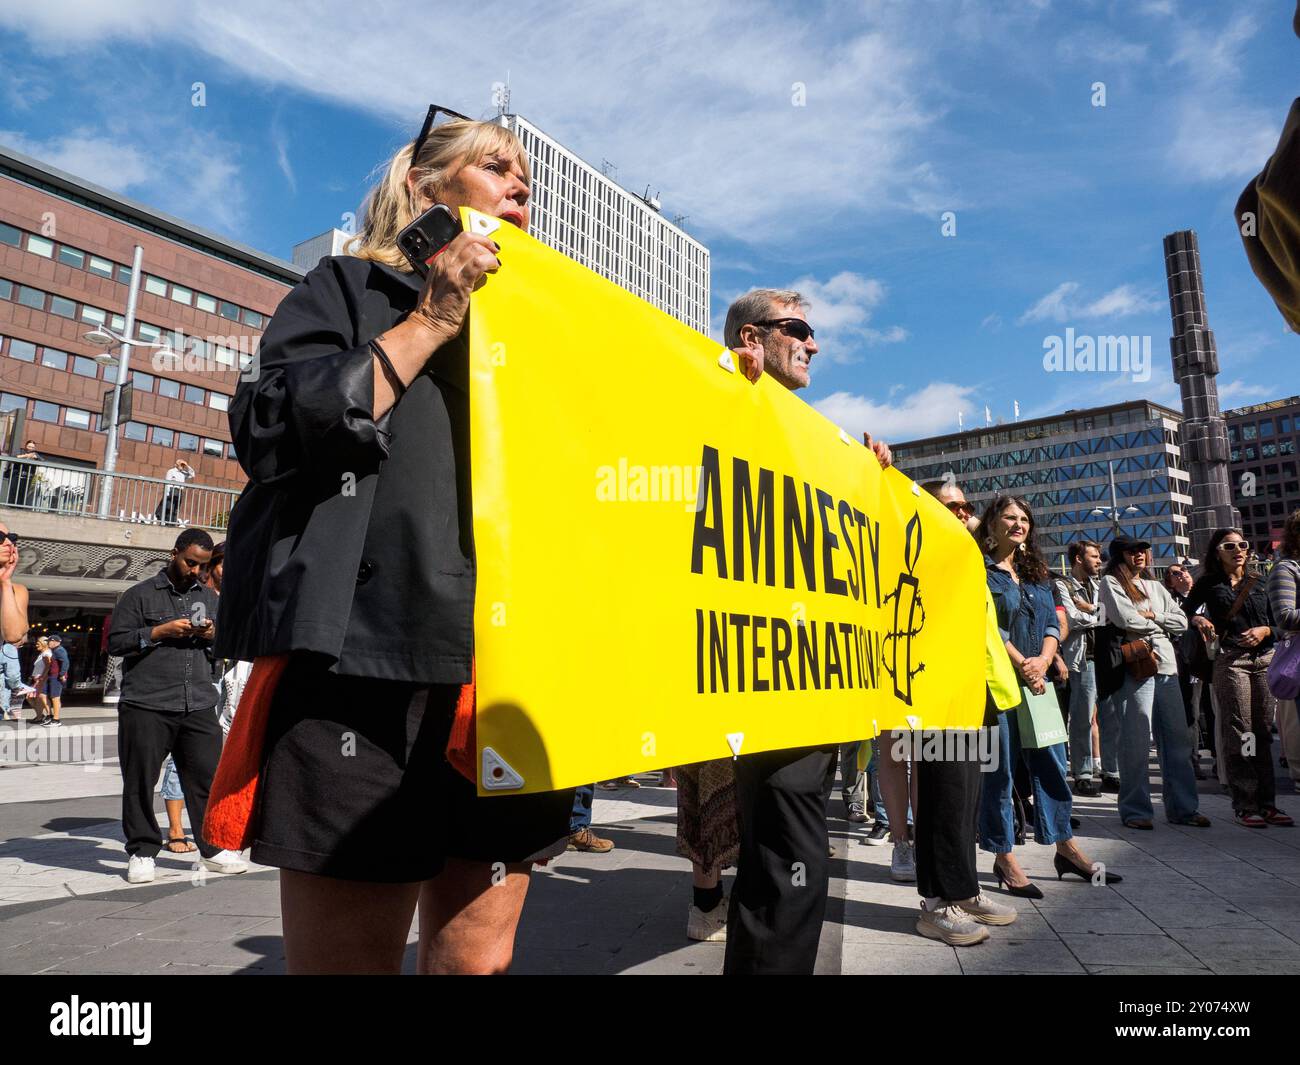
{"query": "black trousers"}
(778, 901)
(144, 739)
(947, 806)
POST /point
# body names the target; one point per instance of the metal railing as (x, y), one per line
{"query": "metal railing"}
(49, 488)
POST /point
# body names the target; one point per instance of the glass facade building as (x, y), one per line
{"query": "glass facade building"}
(1262, 441)
(1062, 466)
(583, 213)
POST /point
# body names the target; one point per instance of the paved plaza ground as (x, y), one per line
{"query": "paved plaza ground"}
(1222, 900)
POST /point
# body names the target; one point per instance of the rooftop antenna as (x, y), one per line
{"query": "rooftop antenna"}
(501, 97)
(680, 219)
(651, 201)
(607, 168)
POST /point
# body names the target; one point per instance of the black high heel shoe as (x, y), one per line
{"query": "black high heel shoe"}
(1063, 865)
(1029, 891)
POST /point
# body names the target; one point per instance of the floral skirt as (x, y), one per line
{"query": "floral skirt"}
(707, 832)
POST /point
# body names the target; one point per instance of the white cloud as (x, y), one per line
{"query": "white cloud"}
(1059, 305)
(105, 162)
(1237, 391)
(841, 311)
(697, 100)
(992, 322)
(928, 412)
(281, 144)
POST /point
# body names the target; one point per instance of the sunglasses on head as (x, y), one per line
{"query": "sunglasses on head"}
(429, 123)
(791, 327)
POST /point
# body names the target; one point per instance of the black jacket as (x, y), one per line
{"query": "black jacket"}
(176, 674)
(354, 538)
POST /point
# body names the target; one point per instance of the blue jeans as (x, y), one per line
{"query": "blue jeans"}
(582, 800)
(1052, 802)
(1154, 705)
(12, 674)
(171, 782)
(1083, 700)
(1108, 726)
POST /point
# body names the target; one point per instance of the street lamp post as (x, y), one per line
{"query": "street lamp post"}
(1114, 512)
(103, 335)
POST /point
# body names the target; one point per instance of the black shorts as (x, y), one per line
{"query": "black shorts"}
(356, 785)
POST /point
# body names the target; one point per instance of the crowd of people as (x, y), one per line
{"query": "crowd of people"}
(307, 688)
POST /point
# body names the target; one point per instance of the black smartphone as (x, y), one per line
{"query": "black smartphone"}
(428, 235)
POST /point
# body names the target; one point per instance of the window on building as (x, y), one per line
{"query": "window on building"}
(40, 246)
(181, 294)
(205, 303)
(1276, 507)
(1284, 423)
(9, 402)
(218, 401)
(124, 275)
(155, 285)
(55, 360)
(10, 235)
(212, 447)
(224, 357)
(135, 431)
(187, 442)
(45, 412)
(194, 394)
(31, 297)
(228, 310)
(93, 315)
(148, 332)
(76, 419)
(1249, 431)
(1266, 427)
(63, 307)
(1250, 453)
(1268, 451)
(6, 289)
(24, 350)
(72, 256)
(253, 318)
(143, 382)
(110, 373)
(164, 437)
(85, 367)
(99, 266)
(169, 388)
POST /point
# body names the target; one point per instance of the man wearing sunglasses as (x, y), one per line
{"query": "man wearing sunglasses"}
(774, 923)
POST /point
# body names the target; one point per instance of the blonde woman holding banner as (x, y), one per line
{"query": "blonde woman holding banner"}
(349, 581)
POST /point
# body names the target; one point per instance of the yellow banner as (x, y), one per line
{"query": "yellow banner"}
(675, 564)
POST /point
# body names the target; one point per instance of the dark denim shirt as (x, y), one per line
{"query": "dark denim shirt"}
(1026, 612)
(175, 674)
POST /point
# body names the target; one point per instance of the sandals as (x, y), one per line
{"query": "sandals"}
(187, 848)
(1140, 822)
(1274, 816)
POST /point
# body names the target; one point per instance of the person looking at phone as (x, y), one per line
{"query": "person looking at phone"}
(350, 566)
(163, 628)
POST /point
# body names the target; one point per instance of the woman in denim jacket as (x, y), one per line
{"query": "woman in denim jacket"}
(1018, 580)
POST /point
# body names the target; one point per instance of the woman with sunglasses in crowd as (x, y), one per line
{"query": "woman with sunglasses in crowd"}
(1018, 579)
(1239, 616)
(1150, 700)
(349, 581)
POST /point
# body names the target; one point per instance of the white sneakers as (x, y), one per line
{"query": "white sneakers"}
(950, 923)
(139, 870)
(226, 862)
(986, 910)
(902, 867)
(708, 927)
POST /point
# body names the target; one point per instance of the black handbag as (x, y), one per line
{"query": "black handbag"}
(1108, 660)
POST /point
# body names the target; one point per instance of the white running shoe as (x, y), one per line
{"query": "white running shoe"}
(950, 923)
(708, 927)
(226, 862)
(987, 910)
(139, 870)
(902, 866)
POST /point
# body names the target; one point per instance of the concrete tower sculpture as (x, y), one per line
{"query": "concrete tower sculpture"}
(1196, 364)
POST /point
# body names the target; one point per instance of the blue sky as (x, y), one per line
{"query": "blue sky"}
(814, 146)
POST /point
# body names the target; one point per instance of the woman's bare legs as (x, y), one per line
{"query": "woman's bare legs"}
(895, 789)
(344, 926)
(468, 917)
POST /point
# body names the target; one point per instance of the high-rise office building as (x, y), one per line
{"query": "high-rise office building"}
(1263, 438)
(1064, 466)
(588, 216)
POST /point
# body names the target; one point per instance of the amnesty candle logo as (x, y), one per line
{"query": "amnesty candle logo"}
(907, 624)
